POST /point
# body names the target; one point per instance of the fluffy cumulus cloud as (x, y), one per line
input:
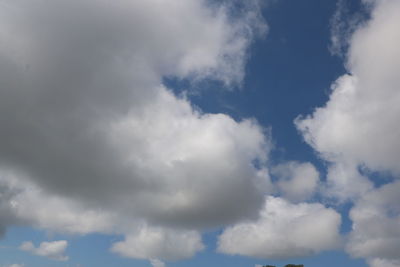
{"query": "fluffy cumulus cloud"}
(203, 163)
(359, 124)
(91, 139)
(27, 204)
(376, 226)
(296, 181)
(284, 230)
(53, 250)
(152, 243)
(357, 132)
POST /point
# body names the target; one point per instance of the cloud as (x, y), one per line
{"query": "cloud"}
(358, 126)
(158, 243)
(383, 263)
(284, 230)
(296, 181)
(376, 224)
(7, 216)
(179, 151)
(157, 263)
(52, 250)
(27, 204)
(15, 265)
(106, 131)
(89, 131)
(357, 133)
(343, 24)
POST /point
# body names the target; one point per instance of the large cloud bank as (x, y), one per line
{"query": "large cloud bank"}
(91, 139)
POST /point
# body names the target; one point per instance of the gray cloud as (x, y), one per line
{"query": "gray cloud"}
(89, 131)
(383, 263)
(78, 84)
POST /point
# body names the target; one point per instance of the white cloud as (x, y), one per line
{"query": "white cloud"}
(359, 124)
(158, 243)
(92, 140)
(358, 131)
(14, 265)
(345, 182)
(181, 151)
(297, 181)
(376, 224)
(284, 230)
(28, 204)
(343, 24)
(53, 250)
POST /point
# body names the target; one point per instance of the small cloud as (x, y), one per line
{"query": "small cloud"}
(52, 250)
(284, 230)
(27, 246)
(156, 243)
(157, 263)
(297, 181)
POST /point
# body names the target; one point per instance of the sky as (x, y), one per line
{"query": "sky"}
(156, 133)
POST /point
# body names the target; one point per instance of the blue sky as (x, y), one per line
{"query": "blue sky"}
(199, 133)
